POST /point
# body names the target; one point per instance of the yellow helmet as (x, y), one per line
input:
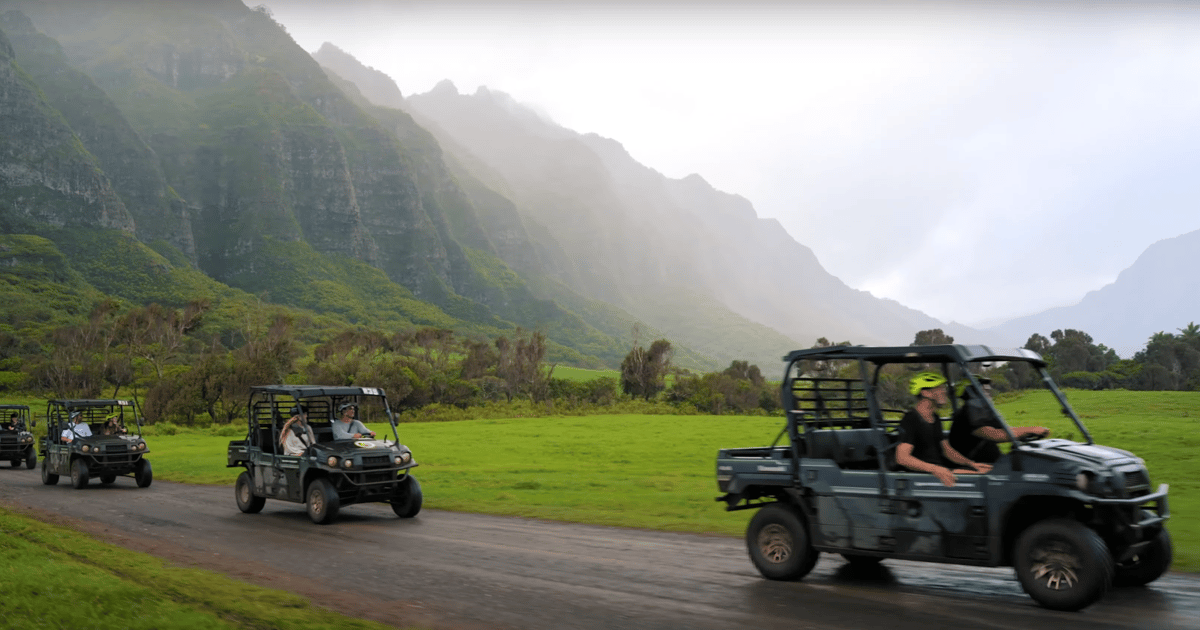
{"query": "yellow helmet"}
(925, 380)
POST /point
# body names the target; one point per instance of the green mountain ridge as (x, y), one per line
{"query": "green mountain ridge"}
(242, 162)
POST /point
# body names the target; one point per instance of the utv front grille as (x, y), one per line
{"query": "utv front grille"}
(1137, 483)
(377, 461)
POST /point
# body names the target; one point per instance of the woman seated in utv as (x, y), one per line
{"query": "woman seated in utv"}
(923, 446)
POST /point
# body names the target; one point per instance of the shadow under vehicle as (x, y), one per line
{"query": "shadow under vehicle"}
(16, 440)
(1071, 518)
(331, 473)
(114, 449)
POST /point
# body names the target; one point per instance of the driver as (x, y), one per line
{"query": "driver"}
(78, 428)
(347, 427)
(296, 436)
(976, 430)
(923, 446)
(11, 425)
(113, 426)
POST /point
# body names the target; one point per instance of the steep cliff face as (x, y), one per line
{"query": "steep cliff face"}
(130, 165)
(47, 177)
(634, 233)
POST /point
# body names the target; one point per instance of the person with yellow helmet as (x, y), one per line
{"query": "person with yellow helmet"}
(923, 445)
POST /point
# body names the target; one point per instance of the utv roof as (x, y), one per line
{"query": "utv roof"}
(93, 402)
(313, 391)
(6, 407)
(918, 354)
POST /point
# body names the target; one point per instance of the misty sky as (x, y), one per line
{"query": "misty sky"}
(974, 161)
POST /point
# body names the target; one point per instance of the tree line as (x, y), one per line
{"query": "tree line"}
(156, 354)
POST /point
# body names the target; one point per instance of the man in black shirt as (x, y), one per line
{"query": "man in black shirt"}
(975, 430)
(923, 446)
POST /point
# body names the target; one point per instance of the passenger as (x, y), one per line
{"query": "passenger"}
(297, 436)
(975, 430)
(12, 423)
(923, 446)
(113, 426)
(347, 427)
(78, 428)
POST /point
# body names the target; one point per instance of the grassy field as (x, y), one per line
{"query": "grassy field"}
(55, 577)
(657, 472)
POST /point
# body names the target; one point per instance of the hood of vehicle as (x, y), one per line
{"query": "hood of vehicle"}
(1093, 455)
(348, 448)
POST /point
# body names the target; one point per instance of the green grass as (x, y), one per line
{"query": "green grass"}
(583, 375)
(657, 472)
(54, 577)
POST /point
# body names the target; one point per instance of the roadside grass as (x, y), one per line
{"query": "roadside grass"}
(55, 577)
(581, 375)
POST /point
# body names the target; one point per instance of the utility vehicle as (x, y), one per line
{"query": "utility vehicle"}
(330, 473)
(1070, 517)
(16, 441)
(115, 447)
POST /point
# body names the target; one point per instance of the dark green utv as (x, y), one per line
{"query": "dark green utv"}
(1070, 517)
(330, 473)
(16, 442)
(114, 447)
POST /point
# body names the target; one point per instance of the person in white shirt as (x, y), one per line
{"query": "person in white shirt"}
(297, 436)
(346, 427)
(78, 428)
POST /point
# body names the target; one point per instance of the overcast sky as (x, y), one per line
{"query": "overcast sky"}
(974, 161)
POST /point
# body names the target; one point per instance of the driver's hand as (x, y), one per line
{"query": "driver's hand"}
(983, 468)
(945, 476)
(1045, 432)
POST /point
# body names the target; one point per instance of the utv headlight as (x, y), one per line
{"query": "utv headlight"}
(406, 456)
(86, 448)
(348, 463)
(399, 459)
(332, 461)
(1083, 481)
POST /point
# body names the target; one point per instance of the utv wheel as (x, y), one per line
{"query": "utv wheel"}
(1062, 564)
(407, 498)
(79, 473)
(107, 478)
(1148, 565)
(48, 477)
(31, 460)
(243, 493)
(143, 474)
(323, 502)
(777, 540)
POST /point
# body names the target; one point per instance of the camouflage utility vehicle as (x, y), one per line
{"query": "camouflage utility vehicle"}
(16, 441)
(330, 472)
(1070, 517)
(114, 447)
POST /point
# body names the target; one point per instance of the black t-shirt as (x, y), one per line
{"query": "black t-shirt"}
(926, 438)
(973, 415)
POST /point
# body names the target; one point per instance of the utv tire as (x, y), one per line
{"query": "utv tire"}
(48, 477)
(107, 478)
(1062, 564)
(1147, 566)
(243, 493)
(143, 474)
(79, 473)
(323, 502)
(31, 460)
(407, 498)
(778, 542)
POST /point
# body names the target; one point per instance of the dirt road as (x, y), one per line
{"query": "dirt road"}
(450, 570)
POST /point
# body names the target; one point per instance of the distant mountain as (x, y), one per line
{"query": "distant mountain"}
(1160, 292)
(632, 231)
